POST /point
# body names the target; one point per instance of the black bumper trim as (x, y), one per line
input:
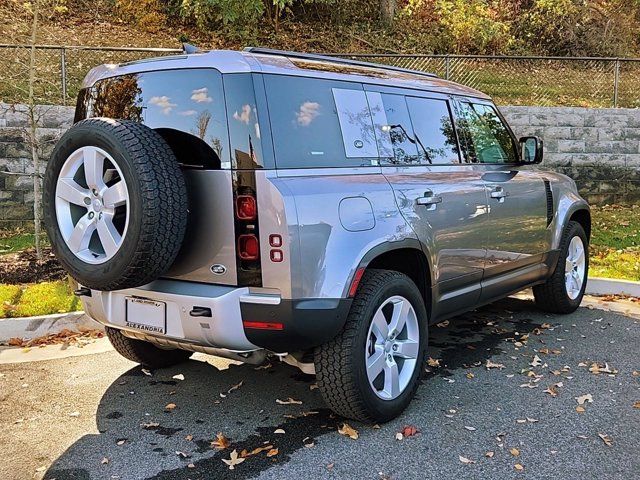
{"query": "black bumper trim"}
(306, 323)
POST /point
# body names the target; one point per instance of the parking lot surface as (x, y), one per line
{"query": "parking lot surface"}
(508, 392)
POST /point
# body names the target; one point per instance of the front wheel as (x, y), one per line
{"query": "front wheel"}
(563, 291)
(370, 371)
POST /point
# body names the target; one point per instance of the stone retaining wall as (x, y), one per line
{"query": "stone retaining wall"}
(599, 148)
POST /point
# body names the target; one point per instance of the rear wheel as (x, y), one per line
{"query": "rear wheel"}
(563, 291)
(370, 371)
(145, 353)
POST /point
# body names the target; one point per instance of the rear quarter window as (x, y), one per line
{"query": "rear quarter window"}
(310, 131)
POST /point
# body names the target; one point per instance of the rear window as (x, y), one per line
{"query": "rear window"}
(319, 123)
(187, 108)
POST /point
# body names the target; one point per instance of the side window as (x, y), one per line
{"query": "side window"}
(405, 150)
(486, 139)
(244, 128)
(433, 130)
(309, 130)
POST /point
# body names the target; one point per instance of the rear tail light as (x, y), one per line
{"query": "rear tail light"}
(248, 247)
(246, 208)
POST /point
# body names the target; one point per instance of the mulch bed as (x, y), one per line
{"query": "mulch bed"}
(24, 267)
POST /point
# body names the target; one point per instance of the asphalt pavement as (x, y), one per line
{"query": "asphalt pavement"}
(499, 399)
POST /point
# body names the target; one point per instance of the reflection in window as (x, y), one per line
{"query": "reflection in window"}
(405, 148)
(244, 129)
(433, 130)
(355, 123)
(305, 125)
(195, 108)
(486, 139)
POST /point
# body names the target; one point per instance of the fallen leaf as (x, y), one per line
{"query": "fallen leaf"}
(289, 401)
(170, 407)
(188, 438)
(470, 375)
(514, 451)
(432, 362)
(637, 404)
(399, 436)
(348, 431)
(313, 386)
(597, 369)
(580, 409)
(465, 460)
(183, 454)
(263, 367)
(272, 453)
(409, 431)
(532, 420)
(146, 372)
(104, 461)
(606, 439)
(221, 442)
(471, 429)
(584, 398)
(233, 460)
(518, 467)
(491, 365)
(552, 391)
(537, 361)
(178, 377)
(489, 454)
(234, 387)
(442, 324)
(74, 414)
(149, 425)
(191, 465)
(279, 431)
(121, 442)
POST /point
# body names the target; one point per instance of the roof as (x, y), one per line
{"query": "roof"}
(286, 63)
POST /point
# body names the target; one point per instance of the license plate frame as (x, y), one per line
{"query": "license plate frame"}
(153, 312)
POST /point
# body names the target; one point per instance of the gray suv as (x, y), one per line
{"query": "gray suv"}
(321, 210)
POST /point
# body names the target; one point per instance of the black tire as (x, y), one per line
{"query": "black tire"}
(157, 203)
(340, 364)
(552, 295)
(145, 353)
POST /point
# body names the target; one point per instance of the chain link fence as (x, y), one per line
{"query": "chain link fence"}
(539, 81)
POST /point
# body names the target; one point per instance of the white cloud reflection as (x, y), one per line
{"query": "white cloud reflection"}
(201, 95)
(244, 116)
(164, 103)
(308, 111)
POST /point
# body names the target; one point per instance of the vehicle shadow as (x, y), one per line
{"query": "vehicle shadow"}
(142, 436)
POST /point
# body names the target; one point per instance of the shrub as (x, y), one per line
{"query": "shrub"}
(46, 298)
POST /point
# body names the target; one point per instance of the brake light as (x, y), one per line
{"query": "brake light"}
(246, 208)
(248, 247)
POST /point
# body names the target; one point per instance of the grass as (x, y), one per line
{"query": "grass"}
(615, 242)
(37, 299)
(18, 239)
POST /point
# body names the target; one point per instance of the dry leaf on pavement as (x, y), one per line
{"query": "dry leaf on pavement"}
(537, 361)
(272, 453)
(465, 460)
(233, 460)
(514, 451)
(279, 431)
(518, 467)
(432, 362)
(170, 407)
(489, 454)
(348, 431)
(584, 398)
(491, 365)
(606, 439)
(289, 401)
(221, 442)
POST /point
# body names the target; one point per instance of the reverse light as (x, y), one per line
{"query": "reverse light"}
(246, 207)
(248, 247)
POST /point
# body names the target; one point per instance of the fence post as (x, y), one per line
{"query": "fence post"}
(63, 74)
(616, 82)
(446, 67)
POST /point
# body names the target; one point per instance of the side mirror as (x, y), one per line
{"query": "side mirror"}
(531, 150)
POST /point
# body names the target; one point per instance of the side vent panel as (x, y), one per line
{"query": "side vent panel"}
(547, 189)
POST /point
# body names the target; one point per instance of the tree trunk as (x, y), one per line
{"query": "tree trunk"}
(387, 11)
(33, 124)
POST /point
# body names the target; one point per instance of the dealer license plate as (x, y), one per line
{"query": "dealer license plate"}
(146, 315)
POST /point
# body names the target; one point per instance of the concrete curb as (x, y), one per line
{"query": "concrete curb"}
(34, 327)
(610, 286)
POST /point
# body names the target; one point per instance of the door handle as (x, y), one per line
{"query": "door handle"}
(429, 200)
(499, 193)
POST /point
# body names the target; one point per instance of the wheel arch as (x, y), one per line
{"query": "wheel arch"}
(583, 217)
(406, 257)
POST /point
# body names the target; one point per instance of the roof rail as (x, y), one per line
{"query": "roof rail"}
(328, 58)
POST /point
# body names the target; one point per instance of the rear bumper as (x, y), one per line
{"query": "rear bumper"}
(214, 316)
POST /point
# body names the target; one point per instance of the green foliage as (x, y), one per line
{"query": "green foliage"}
(206, 14)
(9, 295)
(15, 242)
(43, 299)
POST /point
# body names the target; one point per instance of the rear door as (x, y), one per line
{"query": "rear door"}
(517, 200)
(443, 200)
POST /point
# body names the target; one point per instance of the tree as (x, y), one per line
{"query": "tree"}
(388, 11)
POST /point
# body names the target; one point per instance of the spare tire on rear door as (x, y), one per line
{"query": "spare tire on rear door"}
(115, 203)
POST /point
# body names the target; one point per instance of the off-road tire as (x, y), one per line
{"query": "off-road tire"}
(158, 203)
(552, 296)
(145, 353)
(340, 364)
